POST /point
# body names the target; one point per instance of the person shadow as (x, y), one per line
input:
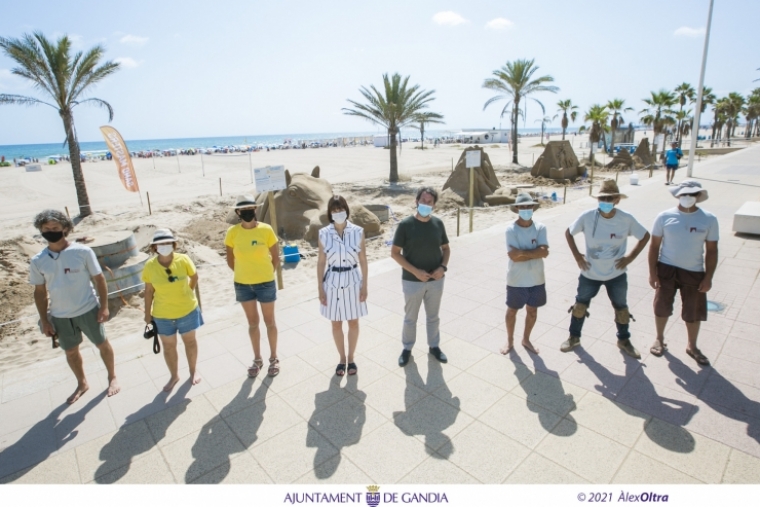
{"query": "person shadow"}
(208, 450)
(42, 440)
(117, 455)
(342, 427)
(420, 418)
(719, 393)
(676, 412)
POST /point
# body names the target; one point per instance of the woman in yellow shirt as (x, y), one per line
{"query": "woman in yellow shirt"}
(170, 279)
(253, 255)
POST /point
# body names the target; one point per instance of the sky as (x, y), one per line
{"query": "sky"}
(227, 68)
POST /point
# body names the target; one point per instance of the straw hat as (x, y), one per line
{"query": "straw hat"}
(163, 236)
(689, 187)
(524, 199)
(609, 188)
(244, 201)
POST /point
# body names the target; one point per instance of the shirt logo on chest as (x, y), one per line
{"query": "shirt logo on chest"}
(68, 271)
(613, 236)
(533, 242)
(254, 243)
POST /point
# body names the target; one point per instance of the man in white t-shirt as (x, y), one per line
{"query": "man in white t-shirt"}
(65, 272)
(680, 237)
(606, 230)
(527, 246)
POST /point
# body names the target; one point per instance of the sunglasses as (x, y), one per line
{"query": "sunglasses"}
(171, 278)
(607, 198)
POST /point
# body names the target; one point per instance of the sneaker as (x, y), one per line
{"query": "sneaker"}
(570, 344)
(627, 347)
(403, 359)
(438, 354)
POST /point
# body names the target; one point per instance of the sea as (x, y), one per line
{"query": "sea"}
(41, 151)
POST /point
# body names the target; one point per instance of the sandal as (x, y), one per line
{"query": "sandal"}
(254, 370)
(341, 369)
(659, 349)
(352, 369)
(274, 367)
(698, 357)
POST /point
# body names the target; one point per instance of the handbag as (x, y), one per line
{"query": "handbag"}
(151, 331)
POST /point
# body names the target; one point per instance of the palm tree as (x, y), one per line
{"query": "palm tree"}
(616, 108)
(720, 115)
(708, 98)
(544, 121)
(685, 92)
(566, 106)
(753, 113)
(66, 79)
(397, 106)
(424, 119)
(737, 101)
(684, 120)
(597, 115)
(514, 82)
(659, 114)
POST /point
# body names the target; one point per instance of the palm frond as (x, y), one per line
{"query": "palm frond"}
(97, 102)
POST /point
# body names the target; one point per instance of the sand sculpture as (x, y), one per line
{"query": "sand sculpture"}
(487, 189)
(621, 161)
(642, 155)
(557, 162)
(302, 208)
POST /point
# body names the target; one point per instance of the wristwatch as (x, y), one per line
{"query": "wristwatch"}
(444, 268)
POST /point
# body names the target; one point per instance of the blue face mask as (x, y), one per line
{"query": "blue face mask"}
(424, 210)
(525, 214)
(606, 207)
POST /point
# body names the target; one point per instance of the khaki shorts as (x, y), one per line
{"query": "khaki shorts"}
(70, 330)
(672, 279)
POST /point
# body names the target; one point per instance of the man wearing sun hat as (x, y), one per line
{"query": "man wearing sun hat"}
(683, 257)
(527, 246)
(606, 229)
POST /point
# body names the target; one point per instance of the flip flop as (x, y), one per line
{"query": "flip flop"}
(658, 350)
(698, 357)
(340, 370)
(352, 369)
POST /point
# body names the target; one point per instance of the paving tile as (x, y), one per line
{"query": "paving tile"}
(473, 395)
(90, 421)
(465, 328)
(733, 395)
(317, 331)
(640, 469)
(28, 446)
(291, 343)
(457, 305)
(148, 469)
(587, 453)
(336, 470)
(21, 388)
(293, 370)
(488, 315)
(672, 405)
(549, 392)
(239, 394)
(502, 371)
(136, 403)
(113, 451)
(180, 419)
(538, 470)
(291, 454)
(222, 369)
(293, 317)
(391, 394)
(243, 469)
(741, 469)
(520, 420)
(427, 373)
(437, 470)
(594, 377)
(259, 422)
(24, 412)
(742, 349)
(690, 453)
(391, 324)
(60, 469)
(346, 422)
(727, 426)
(302, 397)
(618, 422)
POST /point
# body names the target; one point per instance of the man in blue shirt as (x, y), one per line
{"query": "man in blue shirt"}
(672, 156)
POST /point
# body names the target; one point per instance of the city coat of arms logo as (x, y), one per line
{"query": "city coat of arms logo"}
(373, 495)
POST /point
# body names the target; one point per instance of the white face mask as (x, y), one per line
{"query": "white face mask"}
(687, 201)
(165, 249)
(339, 217)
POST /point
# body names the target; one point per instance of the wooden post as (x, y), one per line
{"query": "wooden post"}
(459, 210)
(590, 186)
(150, 211)
(153, 157)
(220, 187)
(452, 164)
(564, 196)
(273, 214)
(650, 170)
(198, 296)
(617, 173)
(67, 212)
(203, 167)
(472, 193)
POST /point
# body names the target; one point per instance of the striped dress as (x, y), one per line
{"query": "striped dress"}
(342, 287)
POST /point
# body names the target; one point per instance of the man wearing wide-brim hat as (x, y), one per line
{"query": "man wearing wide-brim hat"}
(683, 257)
(605, 229)
(527, 245)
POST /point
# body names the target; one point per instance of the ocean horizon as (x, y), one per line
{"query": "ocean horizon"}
(40, 151)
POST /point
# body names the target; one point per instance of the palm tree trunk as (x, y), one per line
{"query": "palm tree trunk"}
(422, 136)
(76, 164)
(394, 161)
(564, 124)
(515, 109)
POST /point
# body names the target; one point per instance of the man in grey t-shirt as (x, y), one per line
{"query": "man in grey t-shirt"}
(65, 271)
(527, 246)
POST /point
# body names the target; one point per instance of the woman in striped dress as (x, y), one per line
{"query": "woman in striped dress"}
(342, 279)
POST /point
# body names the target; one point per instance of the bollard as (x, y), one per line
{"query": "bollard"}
(220, 187)
(564, 196)
(67, 212)
(472, 193)
(203, 167)
(459, 210)
(150, 211)
(590, 186)
(179, 169)
(650, 171)
(616, 176)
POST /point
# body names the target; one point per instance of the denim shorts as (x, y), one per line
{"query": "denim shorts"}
(517, 297)
(182, 325)
(262, 292)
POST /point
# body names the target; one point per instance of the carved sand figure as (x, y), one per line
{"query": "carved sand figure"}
(558, 162)
(621, 161)
(487, 188)
(642, 156)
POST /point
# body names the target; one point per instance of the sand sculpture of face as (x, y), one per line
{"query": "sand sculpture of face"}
(302, 208)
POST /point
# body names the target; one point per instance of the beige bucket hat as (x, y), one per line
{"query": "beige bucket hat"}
(689, 187)
(163, 236)
(609, 188)
(244, 201)
(523, 199)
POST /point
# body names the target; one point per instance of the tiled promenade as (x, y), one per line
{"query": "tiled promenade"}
(592, 415)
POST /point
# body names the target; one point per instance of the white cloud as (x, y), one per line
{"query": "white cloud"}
(134, 40)
(450, 18)
(127, 62)
(687, 31)
(499, 24)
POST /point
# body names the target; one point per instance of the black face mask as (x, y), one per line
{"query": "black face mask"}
(248, 215)
(53, 236)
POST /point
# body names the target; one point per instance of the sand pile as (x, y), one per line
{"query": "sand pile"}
(15, 292)
(643, 156)
(486, 190)
(621, 161)
(557, 162)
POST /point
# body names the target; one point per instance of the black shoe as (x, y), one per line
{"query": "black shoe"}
(404, 357)
(438, 353)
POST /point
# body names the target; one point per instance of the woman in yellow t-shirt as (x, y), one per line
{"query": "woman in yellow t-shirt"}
(170, 279)
(253, 254)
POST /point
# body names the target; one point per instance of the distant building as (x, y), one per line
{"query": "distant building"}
(483, 136)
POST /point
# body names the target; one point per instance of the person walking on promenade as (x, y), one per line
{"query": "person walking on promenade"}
(527, 246)
(170, 280)
(65, 272)
(253, 254)
(342, 279)
(683, 256)
(421, 248)
(672, 158)
(606, 230)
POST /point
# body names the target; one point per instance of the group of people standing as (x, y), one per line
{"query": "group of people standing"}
(71, 292)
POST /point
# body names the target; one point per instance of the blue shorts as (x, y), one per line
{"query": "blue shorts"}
(517, 297)
(182, 325)
(672, 166)
(262, 292)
